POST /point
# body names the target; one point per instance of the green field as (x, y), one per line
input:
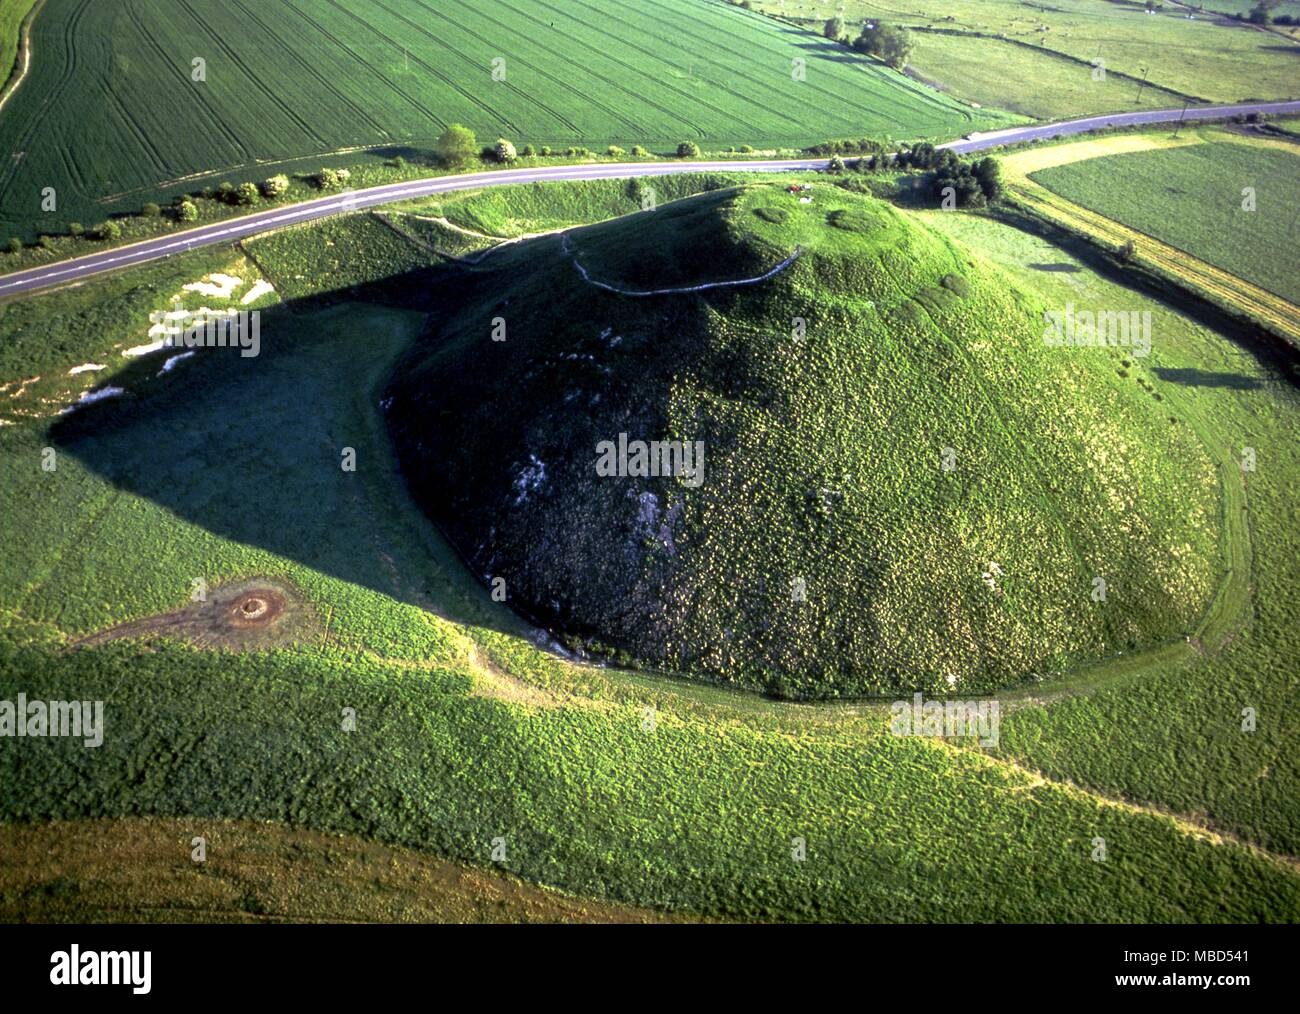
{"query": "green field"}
(1037, 58)
(302, 77)
(1191, 198)
(227, 469)
(12, 13)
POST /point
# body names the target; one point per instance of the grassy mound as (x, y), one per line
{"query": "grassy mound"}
(903, 485)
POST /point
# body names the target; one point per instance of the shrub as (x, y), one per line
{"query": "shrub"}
(150, 210)
(75, 228)
(835, 165)
(854, 185)
(688, 149)
(887, 43)
(546, 152)
(504, 151)
(109, 230)
(457, 145)
(529, 151)
(187, 211)
(614, 151)
(247, 194)
(989, 173)
(226, 192)
(275, 186)
(44, 242)
(638, 151)
(327, 179)
(13, 245)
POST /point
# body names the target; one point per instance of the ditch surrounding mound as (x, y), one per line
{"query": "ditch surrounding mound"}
(905, 488)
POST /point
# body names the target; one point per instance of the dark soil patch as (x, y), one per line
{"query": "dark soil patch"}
(250, 615)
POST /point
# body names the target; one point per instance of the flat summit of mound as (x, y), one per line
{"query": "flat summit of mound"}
(834, 456)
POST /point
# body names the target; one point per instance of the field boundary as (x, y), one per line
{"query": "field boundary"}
(1276, 314)
(22, 55)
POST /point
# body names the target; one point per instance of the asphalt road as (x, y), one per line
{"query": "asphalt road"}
(76, 269)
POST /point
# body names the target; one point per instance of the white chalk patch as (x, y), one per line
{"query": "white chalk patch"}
(172, 361)
(221, 286)
(144, 350)
(86, 368)
(262, 288)
(90, 397)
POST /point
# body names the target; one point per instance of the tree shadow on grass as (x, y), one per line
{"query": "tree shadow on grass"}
(1191, 377)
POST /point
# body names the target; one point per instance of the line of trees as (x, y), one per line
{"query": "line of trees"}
(965, 184)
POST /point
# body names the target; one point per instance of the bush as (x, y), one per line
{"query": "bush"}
(989, 173)
(187, 211)
(614, 151)
(44, 242)
(747, 149)
(529, 151)
(247, 194)
(836, 164)
(887, 43)
(862, 146)
(546, 152)
(75, 228)
(13, 245)
(504, 151)
(150, 210)
(397, 162)
(328, 179)
(638, 151)
(275, 186)
(226, 193)
(688, 149)
(457, 145)
(109, 230)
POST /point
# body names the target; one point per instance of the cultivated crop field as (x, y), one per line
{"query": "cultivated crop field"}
(1038, 58)
(299, 77)
(1192, 197)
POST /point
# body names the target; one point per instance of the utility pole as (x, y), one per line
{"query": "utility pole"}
(1142, 84)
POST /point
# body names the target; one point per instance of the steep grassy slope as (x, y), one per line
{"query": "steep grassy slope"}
(917, 492)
